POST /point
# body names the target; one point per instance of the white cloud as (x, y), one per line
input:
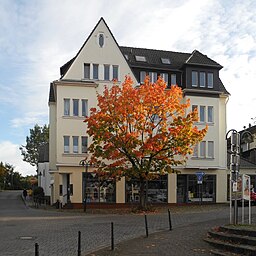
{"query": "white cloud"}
(10, 153)
(30, 119)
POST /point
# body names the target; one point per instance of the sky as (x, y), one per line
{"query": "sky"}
(37, 37)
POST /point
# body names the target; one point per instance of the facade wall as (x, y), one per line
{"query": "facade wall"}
(65, 168)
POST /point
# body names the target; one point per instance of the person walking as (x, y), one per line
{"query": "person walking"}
(25, 193)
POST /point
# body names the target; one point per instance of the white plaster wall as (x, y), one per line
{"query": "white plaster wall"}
(93, 53)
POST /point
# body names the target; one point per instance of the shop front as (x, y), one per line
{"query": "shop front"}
(191, 190)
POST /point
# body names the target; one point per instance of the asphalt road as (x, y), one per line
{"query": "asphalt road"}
(56, 232)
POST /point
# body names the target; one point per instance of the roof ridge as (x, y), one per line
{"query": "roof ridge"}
(150, 49)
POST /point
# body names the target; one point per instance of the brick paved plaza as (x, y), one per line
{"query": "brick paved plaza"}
(56, 232)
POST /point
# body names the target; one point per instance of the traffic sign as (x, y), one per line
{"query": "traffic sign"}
(200, 176)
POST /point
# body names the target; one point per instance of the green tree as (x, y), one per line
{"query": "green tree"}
(38, 137)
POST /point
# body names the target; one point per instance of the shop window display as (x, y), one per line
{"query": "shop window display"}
(98, 190)
(157, 190)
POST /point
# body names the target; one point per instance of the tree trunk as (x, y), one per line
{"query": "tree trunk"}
(143, 203)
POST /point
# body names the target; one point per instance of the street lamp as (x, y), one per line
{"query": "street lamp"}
(235, 149)
(85, 164)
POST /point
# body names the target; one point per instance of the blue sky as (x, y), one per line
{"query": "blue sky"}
(37, 37)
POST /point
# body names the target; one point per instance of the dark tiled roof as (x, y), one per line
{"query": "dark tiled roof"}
(66, 66)
(222, 87)
(178, 59)
(197, 58)
(44, 153)
(153, 58)
(52, 94)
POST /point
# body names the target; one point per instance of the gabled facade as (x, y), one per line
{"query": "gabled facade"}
(97, 63)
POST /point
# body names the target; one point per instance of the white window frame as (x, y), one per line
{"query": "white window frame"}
(210, 116)
(66, 144)
(87, 69)
(194, 76)
(202, 114)
(84, 103)
(210, 149)
(203, 149)
(75, 107)
(195, 151)
(165, 78)
(173, 79)
(210, 85)
(202, 79)
(115, 72)
(75, 144)
(142, 76)
(106, 72)
(95, 73)
(153, 77)
(66, 107)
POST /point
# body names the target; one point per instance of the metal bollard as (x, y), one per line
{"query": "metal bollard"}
(112, 236)
(146, 225)
(79, 244)
(36, 249)
(170, 221)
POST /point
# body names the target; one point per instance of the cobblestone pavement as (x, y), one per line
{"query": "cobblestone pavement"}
(57, 232)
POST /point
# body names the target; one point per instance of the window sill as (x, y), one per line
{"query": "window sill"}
(73, 154)
(74, 117)
(202, 158)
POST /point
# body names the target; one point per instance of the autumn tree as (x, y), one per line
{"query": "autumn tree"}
(38, 137)
(141, 132)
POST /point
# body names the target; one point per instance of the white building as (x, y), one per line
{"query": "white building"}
(97, 63)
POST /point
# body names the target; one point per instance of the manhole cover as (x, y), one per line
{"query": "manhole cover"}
(26, 237)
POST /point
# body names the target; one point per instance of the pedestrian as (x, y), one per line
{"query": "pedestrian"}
(25, 193)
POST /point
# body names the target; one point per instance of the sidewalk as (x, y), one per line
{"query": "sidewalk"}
(180, 241)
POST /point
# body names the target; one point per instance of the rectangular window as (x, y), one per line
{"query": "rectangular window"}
(195, 151)
(194, 78)
(142, 76)
(87, 71)
(84, 144)
(202, 149)
(202, 79)
(153, 77)
(210, 80)
(165, 77)
(75, 144)
(202, 113)
(75, 107)
(194, 107)
(115, 72)
(95, 71)
(66, 107)
(210, 114)
(84, 107)
(211, 149)
(106, 72)
(66, 144)
(173, 79)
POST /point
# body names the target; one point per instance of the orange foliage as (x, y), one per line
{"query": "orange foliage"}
(141, 131)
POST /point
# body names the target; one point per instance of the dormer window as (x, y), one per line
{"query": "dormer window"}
(165, 60)
(140, 58)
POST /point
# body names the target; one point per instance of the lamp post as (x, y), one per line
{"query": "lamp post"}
(234, 168)
(235, 149)
(85, 164)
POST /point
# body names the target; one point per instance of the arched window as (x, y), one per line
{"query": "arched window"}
(101, 40)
